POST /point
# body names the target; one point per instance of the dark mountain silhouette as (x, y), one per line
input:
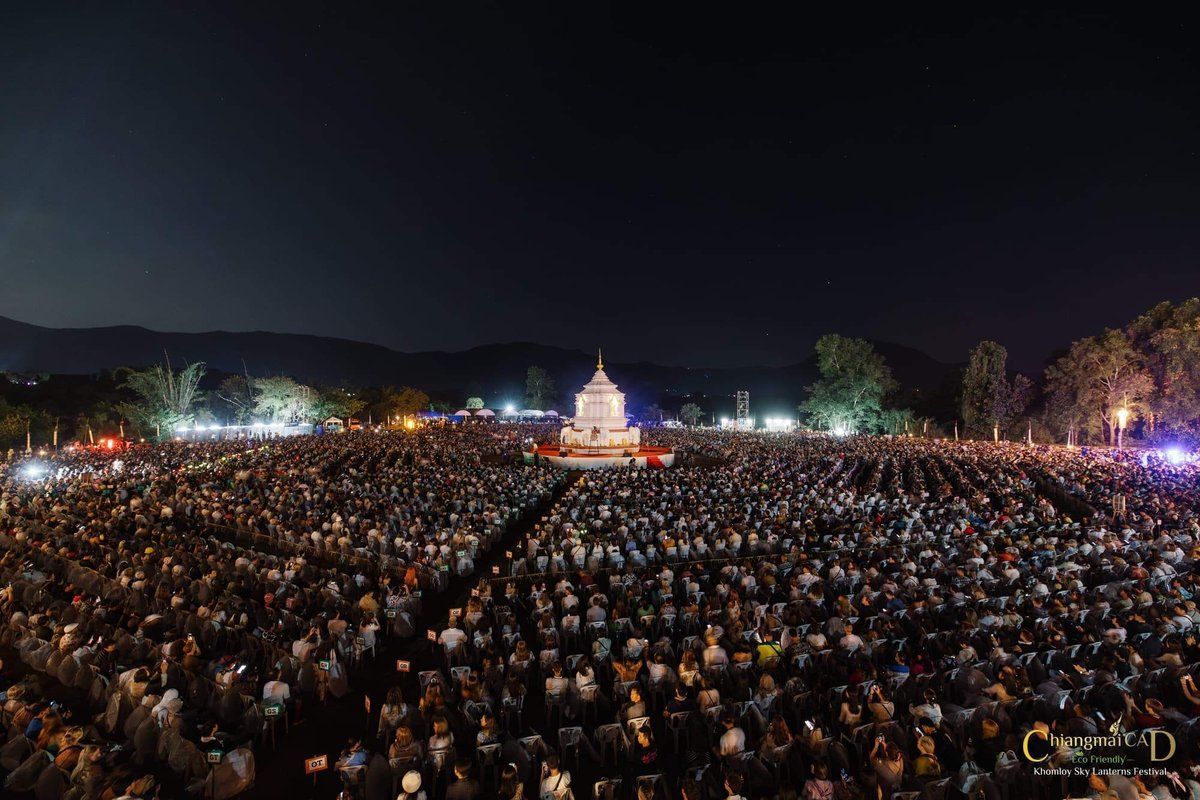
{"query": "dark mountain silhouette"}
(494, 371)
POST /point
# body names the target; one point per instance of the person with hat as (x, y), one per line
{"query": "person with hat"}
(410, 786)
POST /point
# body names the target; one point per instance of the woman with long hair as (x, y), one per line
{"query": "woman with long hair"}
(511, 787)
(689, 668)
(778, 735)
(393, 711)
(441, 739)
(404, 749)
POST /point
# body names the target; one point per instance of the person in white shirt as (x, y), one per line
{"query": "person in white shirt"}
(452, 637)
(276, 691)
(733, 740)
(555, 782)
(596, 612)
(850, 640)
(714, 654)
(367, 630)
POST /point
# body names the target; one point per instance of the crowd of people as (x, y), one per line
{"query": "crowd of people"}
(838, 618)
(782, 615)
(196, 595)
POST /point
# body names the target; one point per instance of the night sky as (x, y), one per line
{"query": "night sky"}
(690, 185)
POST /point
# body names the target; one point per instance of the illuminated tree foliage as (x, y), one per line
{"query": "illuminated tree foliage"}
(854, 382)
(898, 421)
(1167, 338)
(333, 402)
(1094, 380)
(163, 398)
(281, 400)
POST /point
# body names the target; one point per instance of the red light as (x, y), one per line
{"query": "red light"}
(108, 443)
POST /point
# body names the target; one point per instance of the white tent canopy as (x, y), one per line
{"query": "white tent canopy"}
(485, 412)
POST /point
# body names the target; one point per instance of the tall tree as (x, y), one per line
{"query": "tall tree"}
(236, 392)
(474, 403)
(854, 381)
(690, 413)
(15, 421)
(539, 387)
(333, 402)
(280, 399)
(163, 398)
(990, 401)
(98, 419)
(983, 383)
(898, 421)
(1167, 338)
(1010, 402)
(392, 404)
(1096, 378)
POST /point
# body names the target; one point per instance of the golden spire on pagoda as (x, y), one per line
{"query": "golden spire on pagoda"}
(599, 358)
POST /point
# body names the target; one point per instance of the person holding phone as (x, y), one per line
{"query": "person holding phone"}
(888, 763)
(191, 654)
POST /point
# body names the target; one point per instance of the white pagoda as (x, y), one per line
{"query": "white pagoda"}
(599, 425)
(599, 436)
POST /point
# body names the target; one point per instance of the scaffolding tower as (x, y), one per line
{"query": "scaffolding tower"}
(742, 410)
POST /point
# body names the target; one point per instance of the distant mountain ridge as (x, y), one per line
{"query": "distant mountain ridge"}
(494, 371)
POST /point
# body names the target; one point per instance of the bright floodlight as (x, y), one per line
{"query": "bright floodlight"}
(509, 409)
(33, 471)
(1175, 455)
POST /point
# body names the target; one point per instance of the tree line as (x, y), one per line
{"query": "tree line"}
(1147, 372)
(1150, 368)
(153, 403)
